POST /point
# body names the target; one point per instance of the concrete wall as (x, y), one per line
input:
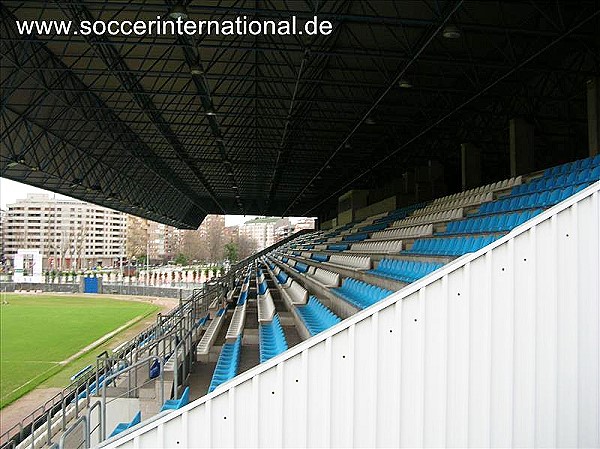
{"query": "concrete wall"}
(141, 290)
(115, 289)
(344, 217)
(385, 205)
(55, 288)
(329, 224)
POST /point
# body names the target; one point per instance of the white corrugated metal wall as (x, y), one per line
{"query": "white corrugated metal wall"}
(499, 348)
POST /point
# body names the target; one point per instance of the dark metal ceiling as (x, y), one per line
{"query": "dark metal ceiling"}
(122, 121)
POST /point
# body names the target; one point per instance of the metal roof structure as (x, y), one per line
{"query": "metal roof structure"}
(173, 128)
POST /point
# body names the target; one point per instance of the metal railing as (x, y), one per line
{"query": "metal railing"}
(86, 433)
(87, 385)
(147, 360)
(167, 327)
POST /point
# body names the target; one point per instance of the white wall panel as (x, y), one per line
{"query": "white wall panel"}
(499, 348)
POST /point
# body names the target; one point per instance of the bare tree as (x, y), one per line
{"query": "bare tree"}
(137, 238)
(246, 246)
(215, 241)
(80, 239)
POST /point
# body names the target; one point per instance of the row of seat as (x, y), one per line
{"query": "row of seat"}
(573, 166)
(370, 224)
(282, 276)
(316, 317)
(243, 297)
(436, 217)
(496, 186)
(338, 247)
(374, 227)
(377, 247)
(404, 270)
(358, 237)
(560, 181)
(271, 339)
(403, 233)
(490, 223)
(455, 203)
(543, 199)
(453, 246)
(123, 426)
(236, 325)
(325, 277)
(319, 257)
(356, 262)
(176, 404)
(360, 294)
(210, 335)
(266, 307)
(227, 364)
(300, 267)
(295, 293)
(399, 214)
(262, 287)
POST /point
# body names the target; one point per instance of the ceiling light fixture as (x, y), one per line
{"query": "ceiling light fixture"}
(210, 112)
(451, 32)
(196, 70)
(178, 12)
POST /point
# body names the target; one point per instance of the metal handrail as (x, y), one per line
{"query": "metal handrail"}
(199, 299)
(187, 343)
(71, 429)
(119, 373)
(89, 417)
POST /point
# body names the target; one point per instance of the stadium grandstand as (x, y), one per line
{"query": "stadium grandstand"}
(450, 150)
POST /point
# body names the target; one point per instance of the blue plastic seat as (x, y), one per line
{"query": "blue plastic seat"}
(282, 277)
(554, 197)
(375, 227)
(174, 404)
(262, 287)
(227, 364)
(356, 237)
(360, 294)
(242, 298)
(316, 317)
(338, 247)
(403, 270)
(301, 267)
(122, 426)
(271, 339)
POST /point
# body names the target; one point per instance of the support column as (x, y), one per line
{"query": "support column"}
(593, 115)
(470, 165)
(521, 147)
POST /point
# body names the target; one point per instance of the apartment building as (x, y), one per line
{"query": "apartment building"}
(69, 234)
(260, 230)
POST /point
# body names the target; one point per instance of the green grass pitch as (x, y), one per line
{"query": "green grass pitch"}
(37, 332)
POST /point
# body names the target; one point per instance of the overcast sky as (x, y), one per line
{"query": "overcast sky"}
(11, 191)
